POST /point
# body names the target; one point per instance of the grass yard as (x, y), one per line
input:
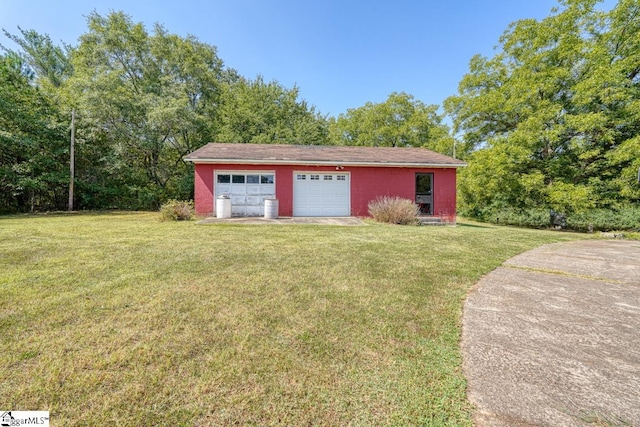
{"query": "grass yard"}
(121, 319)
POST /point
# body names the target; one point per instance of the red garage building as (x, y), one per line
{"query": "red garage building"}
(318, 180)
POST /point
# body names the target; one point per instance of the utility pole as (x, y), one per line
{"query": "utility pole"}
(72, 158)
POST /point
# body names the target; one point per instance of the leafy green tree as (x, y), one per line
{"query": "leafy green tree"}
(47, 62)
(33, 149)
(146, 100)
(253, 111)
(400, 121)
(49, 67)
(143, 100)
(554, 114)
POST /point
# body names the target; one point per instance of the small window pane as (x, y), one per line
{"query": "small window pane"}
(266, 179)
(253, 179)
(224, 179)
(315, 177)
(301, 177)
(328, 177)
(341, 178)
(237, 179)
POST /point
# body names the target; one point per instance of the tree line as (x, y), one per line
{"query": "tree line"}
(551, 121)
(143, 100)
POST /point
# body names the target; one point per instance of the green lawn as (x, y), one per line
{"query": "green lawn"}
(119, 318)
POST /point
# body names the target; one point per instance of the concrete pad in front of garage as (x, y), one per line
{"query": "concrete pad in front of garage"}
(552, 337)
(349, 221)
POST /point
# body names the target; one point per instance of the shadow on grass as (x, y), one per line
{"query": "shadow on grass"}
(474, 225)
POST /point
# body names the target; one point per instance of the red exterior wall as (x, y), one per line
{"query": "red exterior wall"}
(367, 183)
(203, 189)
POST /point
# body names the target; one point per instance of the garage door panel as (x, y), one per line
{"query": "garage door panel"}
(247, 190)
(255, 210)
(238, 200)
(238, 210)
(223, 189)
(321, 194)
(253, 189)
(269, 189)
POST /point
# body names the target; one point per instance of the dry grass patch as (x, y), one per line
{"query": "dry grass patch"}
(121, 317)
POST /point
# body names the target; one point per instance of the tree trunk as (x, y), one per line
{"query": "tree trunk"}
(72, 158)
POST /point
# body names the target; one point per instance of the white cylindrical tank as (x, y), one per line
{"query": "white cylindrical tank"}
(223, 206)
(271, 208)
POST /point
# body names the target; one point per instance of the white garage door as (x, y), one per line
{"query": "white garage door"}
(247, 190)
(321, 194)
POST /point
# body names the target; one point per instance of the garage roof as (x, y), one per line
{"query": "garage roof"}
(227, 153)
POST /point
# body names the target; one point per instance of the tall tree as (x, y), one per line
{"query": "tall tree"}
(148, 98)
(400, 121)
(553, 115)
(49, 62)
(50, 66)
(33, 149)
(254, 111)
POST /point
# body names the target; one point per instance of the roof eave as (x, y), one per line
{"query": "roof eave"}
(196, 160)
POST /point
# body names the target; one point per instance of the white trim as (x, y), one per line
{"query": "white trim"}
(321, 163)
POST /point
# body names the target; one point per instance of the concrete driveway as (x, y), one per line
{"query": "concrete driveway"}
(348, 221)
(552, 337)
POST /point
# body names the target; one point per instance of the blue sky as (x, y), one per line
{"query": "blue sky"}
(340, 53)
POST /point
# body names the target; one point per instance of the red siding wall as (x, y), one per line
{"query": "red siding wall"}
(203, 189)
(367, 183)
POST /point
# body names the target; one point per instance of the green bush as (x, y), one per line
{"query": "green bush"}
(626, 218)
(531, 218)
(394, 210)
(177, 210)
(621, 219)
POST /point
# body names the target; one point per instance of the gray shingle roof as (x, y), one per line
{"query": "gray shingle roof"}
(320, 155)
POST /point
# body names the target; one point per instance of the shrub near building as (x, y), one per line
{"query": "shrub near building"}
(177, 210)
(394, 210)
